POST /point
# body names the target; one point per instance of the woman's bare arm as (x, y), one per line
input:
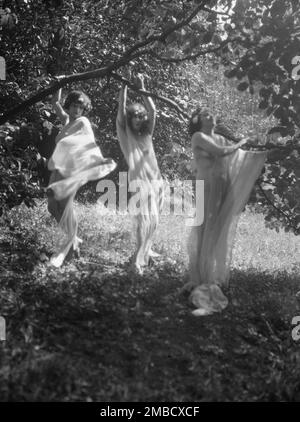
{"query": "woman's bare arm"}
(64, 117)
(206, 143)
(149, 104)
(121, 122)
(121, 117)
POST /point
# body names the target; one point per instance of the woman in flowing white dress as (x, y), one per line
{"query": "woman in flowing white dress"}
(229, 174)
(76, 160)
(135, 125)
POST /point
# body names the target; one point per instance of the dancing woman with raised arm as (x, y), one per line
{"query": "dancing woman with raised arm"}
(76, 160)
(135, 126)
(229, 174)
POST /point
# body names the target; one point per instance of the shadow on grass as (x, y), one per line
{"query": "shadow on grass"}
(19, 252)
(90, 332)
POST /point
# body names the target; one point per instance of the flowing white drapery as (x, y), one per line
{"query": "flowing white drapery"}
(143, 175)
(228, 182)
(77, 159)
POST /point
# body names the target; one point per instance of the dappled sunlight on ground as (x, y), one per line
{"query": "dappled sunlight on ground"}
(93, 331)
(255, 247)
(264, 249)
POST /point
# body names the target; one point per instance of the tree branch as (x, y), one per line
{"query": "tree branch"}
(102, 72)
(191, 56)
(271, 147)
(207, 9)
(290, 223)
(161, 37)
(63, 80)
(151, 94)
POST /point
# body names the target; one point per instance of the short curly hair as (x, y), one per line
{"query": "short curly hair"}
(78, 97)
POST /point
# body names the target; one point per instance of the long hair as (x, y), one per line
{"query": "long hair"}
(195, 125)
(78, 97)
(131, 110)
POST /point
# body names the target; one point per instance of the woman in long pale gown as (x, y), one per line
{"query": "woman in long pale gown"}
(76, 160)
(229, 174)
(135, 126)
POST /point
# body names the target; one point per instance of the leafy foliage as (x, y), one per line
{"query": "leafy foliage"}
(18, 169)
(262, 59)
(267, 41)
(257, 40)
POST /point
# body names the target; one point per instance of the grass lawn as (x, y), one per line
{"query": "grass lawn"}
(91, 331)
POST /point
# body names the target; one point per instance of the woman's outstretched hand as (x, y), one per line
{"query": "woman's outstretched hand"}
(250, 142)
(139, 81)
(242, 142)
(56, 97)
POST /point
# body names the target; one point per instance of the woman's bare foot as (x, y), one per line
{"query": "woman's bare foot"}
(153, 254)
(136, 269)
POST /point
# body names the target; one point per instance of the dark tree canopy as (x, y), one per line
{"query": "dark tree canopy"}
(96, 43)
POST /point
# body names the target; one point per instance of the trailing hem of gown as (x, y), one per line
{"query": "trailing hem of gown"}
(79, 160)
(208, 299)
(228, 182)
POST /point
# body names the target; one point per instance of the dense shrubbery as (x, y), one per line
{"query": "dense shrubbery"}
(68, 36)
(18, 170)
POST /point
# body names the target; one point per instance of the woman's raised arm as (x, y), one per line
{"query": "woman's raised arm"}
(121, 117)
(64, 117)
(207, 143)
(149, 103)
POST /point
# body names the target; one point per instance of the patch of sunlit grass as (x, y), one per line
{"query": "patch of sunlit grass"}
(264, 249)
(90, 331)
(107, 232)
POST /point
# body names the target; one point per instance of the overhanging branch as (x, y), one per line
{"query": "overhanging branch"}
(279, 211)
(151, 94)
(161, 37)
(217, 12)
(102, 72)
(64, 80)
(189, 57)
